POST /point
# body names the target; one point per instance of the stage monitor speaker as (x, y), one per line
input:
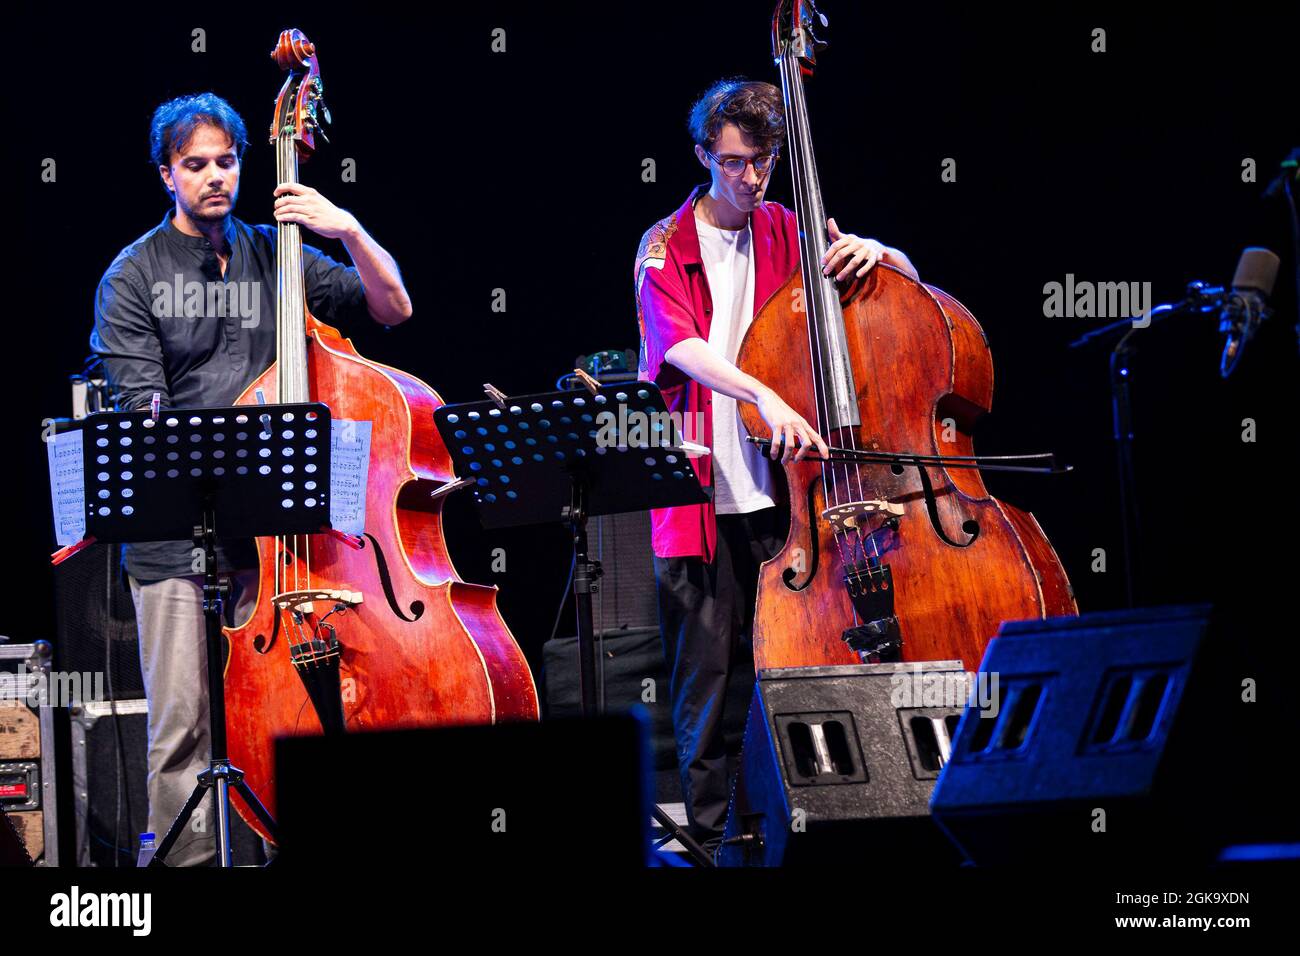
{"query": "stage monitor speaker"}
(1129, 736)
(566, 792)
(838, 765)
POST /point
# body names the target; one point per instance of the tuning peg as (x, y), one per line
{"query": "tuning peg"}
(311, 124)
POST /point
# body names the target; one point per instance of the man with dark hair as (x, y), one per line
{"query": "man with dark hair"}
(701, 274)
(157, 338)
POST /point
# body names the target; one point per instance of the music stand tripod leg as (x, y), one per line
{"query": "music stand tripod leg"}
(182, 818)
(250, 800)
(680, 834)
(220, 773)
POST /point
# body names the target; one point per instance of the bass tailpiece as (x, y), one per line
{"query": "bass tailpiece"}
(871, 589)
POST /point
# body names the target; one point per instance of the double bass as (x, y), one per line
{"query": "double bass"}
(896, 550)
(370, 631)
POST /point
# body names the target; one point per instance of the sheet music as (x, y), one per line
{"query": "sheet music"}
(67, 487)
(349, 468)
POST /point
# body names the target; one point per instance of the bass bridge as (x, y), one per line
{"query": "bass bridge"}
(853, 515)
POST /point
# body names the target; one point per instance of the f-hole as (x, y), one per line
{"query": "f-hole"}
(381, 565)
(970, 526)
(789, 575)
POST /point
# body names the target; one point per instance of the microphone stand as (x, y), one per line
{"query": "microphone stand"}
(1283, 185)
(1200, 298)
(1121, 401)
(1295, 238)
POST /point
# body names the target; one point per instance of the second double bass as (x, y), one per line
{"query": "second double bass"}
(897, 556)
(378, 631)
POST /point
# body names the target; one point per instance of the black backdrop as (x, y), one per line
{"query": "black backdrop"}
(522, 170)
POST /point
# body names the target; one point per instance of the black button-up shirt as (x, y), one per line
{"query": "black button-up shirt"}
(168, 321)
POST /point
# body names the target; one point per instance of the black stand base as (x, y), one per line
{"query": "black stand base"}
(678, 833)
(221, 775)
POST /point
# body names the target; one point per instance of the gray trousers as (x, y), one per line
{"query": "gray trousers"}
(173, 659)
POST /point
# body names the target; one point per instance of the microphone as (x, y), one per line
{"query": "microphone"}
(1246, 306)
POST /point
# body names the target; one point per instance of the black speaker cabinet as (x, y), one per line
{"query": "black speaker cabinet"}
(95, 621)
(109, 771)
(1120, 736)
(839, 763)
(630, 672)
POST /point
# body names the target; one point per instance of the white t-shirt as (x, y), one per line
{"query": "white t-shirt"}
(742, 476)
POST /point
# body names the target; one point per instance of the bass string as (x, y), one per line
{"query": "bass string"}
(281, 547)
(830, 309)
(806, 216)
(291, 333)
(822, 301)
(803, 215)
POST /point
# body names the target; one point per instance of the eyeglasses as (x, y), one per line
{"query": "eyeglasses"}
(734, 166)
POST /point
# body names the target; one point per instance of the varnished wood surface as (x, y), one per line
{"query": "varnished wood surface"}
(456, 664)
(919, 359)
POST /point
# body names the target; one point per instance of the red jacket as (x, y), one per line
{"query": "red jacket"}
(673, 304)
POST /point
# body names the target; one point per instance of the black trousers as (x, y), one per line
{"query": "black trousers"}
(706, 612)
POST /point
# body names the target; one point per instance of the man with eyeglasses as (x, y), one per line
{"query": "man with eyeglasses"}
(700, 276)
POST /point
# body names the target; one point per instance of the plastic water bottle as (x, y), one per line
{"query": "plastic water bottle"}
(147, 848)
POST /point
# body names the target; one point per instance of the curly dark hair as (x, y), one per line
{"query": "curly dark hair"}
(174, 123)
(753, 106)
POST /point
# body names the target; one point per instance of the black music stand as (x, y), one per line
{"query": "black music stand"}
(569, 456)
(258, 471)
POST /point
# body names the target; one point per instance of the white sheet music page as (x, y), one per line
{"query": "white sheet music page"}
(67, 487)
(349, 469)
